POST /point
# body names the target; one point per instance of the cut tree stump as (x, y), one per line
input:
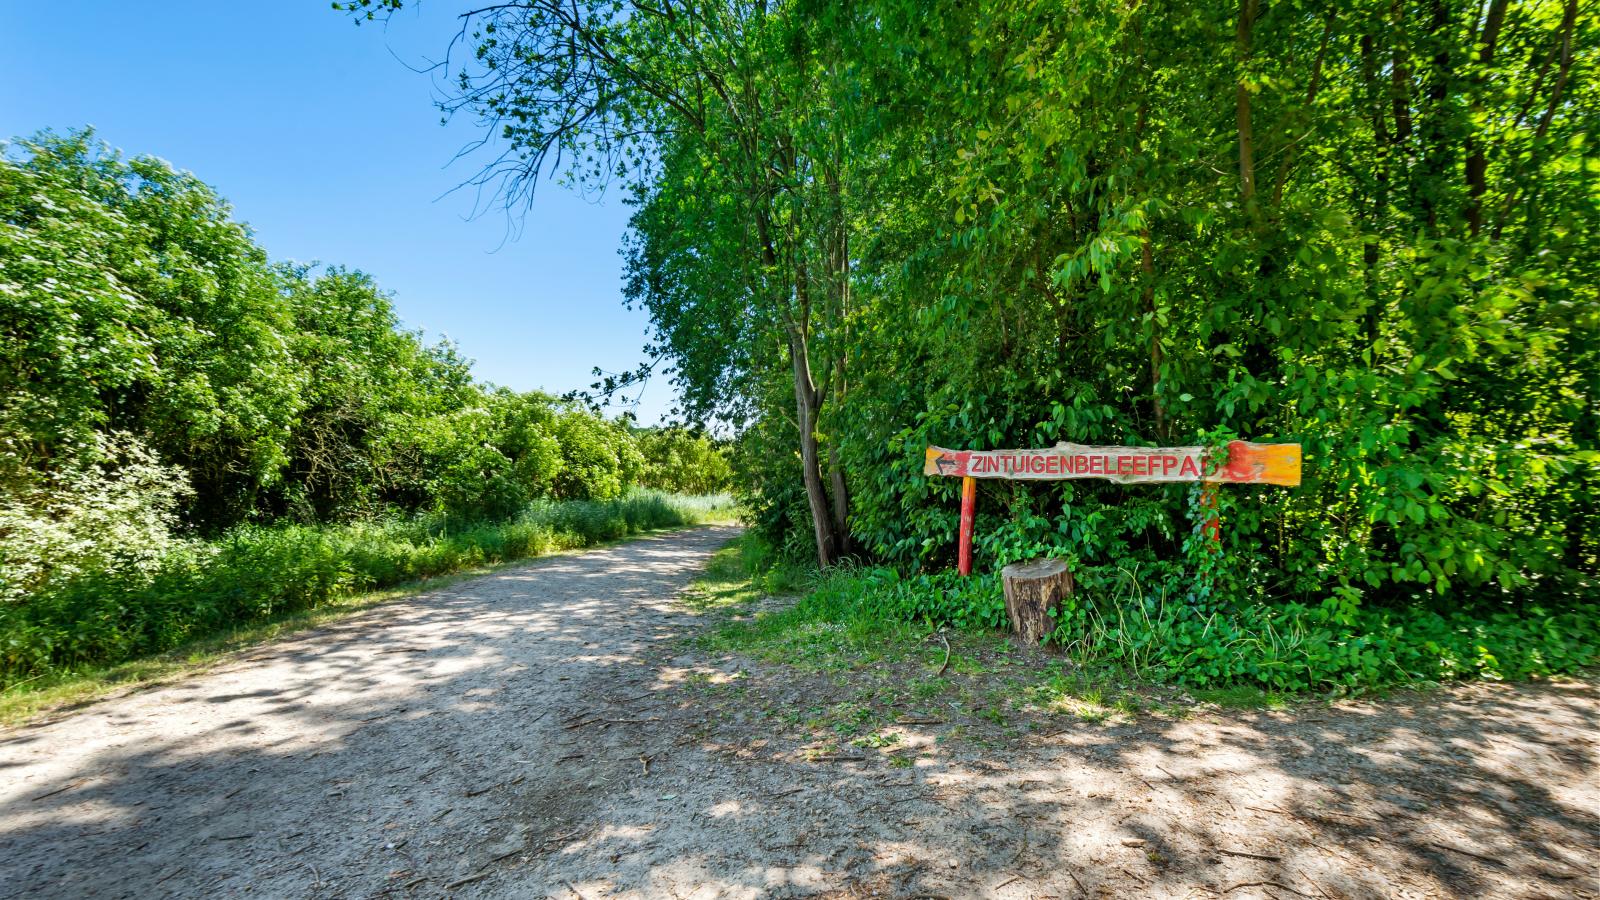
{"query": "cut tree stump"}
(1033, 590)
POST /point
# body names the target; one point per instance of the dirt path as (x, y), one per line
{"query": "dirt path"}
(545, 731)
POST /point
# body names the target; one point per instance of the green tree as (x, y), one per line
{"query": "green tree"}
(683, 462)
(134, 303)
(861, 229)
(678, 99)
(599, 459)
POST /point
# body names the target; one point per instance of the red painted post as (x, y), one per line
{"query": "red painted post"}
(969, 503)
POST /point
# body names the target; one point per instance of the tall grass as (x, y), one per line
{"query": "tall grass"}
(254, 572)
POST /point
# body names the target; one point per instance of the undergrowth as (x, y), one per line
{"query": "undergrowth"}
(1116, 624)
(254, 573)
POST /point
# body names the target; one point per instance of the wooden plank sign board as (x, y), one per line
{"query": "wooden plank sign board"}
(1247, 463)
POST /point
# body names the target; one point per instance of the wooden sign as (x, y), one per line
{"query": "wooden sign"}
(1247, 463)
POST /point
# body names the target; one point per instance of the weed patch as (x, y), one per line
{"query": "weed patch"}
(1247, 654)
(1114, 633)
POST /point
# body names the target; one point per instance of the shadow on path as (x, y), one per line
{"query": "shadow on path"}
(546, 730)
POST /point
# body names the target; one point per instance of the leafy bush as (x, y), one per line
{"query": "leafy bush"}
(1114, 621)
(1337, 644)
(101, 614)
(599, 459)
(107, 514)
(132, 302)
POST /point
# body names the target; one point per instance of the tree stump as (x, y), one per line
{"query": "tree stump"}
(1033, 590)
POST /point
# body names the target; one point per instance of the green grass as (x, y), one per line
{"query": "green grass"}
(835, 625)
(725, 583)
(816, 632)
(100, 629)
(925, 689)
(1250, 654)
(797, 639)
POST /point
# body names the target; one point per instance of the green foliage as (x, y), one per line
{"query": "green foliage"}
(1365, 227)
(765, 483)
(88, 616)
(933, 600)
(599, 458)
(682, 462)
(133, 304)
(1114, 622)
(1098, 285)
(111, 516)
(484, 460)
(370, 393)
(173, 401)
(1331, 646)
(130, 301)
(1059, 230)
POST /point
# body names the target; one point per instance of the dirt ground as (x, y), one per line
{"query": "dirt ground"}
(547, 730)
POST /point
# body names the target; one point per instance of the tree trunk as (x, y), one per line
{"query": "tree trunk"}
(1478, 154)
(839, 285)
(1400, 78)
(805, 402)
(841, 502)
(1033, 590)
(1382, 149)
(1287, 165)
(1147, 263)
(1436, 123)
(1243, 39)
(1569, 19)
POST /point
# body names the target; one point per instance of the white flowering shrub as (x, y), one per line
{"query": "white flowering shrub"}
(113, 513)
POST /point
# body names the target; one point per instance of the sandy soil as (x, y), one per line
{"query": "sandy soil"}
(545, 730)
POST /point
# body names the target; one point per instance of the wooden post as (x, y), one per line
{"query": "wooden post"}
(1033, 590)
(969, 504)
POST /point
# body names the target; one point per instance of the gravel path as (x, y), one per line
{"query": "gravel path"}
(545, 731)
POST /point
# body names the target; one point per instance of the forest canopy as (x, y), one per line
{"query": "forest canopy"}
(862, 228)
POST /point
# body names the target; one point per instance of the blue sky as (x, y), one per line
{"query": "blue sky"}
(331, 149)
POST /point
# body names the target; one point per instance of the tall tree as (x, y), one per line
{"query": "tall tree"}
(867, 226)
(713, 114)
